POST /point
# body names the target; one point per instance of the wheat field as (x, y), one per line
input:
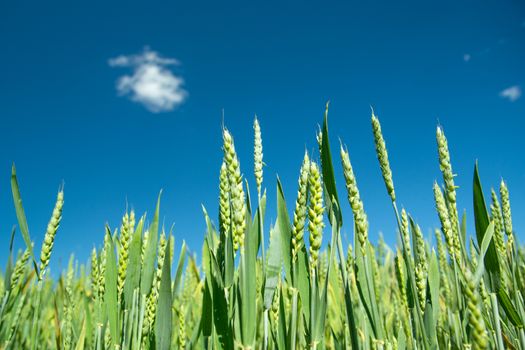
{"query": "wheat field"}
(303, 290)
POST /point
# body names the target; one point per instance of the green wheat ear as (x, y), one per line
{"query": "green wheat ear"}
(51, 231)
(258, 155)
(299, 216)
(182, 328)
(496, 216)
(400, 276)
(446, 225)
(145, 239)
(152, 300)
(95, 273)
(68, 305)
(125, 240)
(476, 323)
(275, 306)
(315, 214)
(421, 270)
(443, 265)
(448, 177)
(271, 301)
(224, 200)
(360, 219)
(505, 206)
(102, 263)
(405, 233)
(19, 269)
(236, 190)
(382, 156)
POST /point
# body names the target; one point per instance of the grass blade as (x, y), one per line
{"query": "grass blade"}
(328, 174)
(21, 217)
(273, 268)
(151, 253)
(110, 296)
(481, 219)
(163, 321)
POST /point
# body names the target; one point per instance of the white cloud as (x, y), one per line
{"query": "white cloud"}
(467, 57)
(511, 93)
(152, 83)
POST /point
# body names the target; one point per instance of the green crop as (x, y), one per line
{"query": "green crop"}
(289, 284)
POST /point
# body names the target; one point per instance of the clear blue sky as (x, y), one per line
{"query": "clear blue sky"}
(418, 63)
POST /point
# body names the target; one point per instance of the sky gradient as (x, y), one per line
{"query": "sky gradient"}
(68, 115)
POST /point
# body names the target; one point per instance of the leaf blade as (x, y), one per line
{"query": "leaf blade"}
(21, 217)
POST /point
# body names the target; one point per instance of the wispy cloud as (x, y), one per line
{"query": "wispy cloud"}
(467, 57)
(152, 83)
(512, 93)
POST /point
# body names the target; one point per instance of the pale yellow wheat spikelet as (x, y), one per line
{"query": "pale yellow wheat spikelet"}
(299, 215)
(322, 266)
(505, 206)
(51, 231)
(360, 219)
(16, 317)
(107, 337)
(476, 323)
(224, 199)
(275, 307)
(495, 211)
(258, 155)
(236, 190)
(350, 268)
(125, 240)
(315, 214)
(421, 284)
(102, 264)
(421, 270)
(400, 276)
(94, 273)
(401, 282)
(182, 328)
(349, 260)
(382, 156)
(405, 234)
(160, 259)
(446, 227)
(19, 268)
(448, 177)
(484, 294)
(443, 265)
(145, 239)
(154, 294)
(68, 307)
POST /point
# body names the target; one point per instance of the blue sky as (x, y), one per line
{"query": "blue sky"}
(83, 102)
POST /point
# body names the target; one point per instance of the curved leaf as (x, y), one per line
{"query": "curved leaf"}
(21, 217)
(328, 174)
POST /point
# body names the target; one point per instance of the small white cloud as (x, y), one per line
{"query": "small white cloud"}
(152, 83)
(467, 57)
(511, 93)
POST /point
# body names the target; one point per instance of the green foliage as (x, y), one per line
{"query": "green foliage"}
(135, 294)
